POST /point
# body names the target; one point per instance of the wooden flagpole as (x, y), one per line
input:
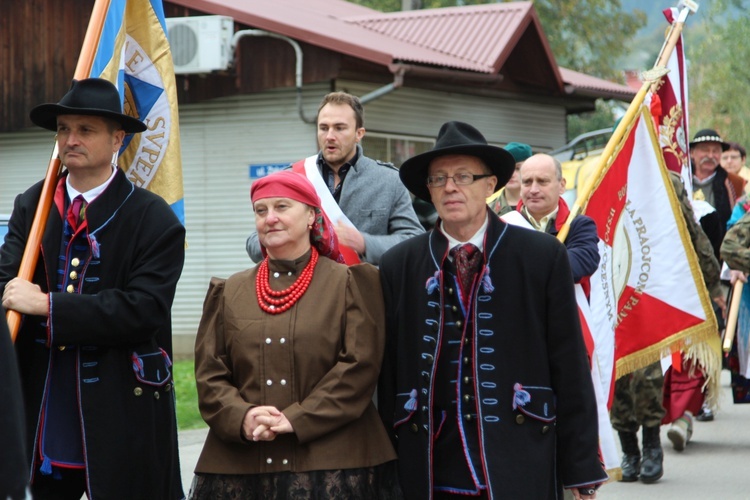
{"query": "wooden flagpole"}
(732, 313)
(34, 240)
(651, 77)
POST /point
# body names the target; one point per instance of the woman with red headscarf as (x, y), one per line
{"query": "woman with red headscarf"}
(286, 360)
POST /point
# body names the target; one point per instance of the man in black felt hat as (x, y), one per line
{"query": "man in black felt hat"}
(713, 184)
(95, 343)
(485, 384)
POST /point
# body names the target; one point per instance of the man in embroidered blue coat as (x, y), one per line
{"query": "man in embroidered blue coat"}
(95, 344)
(485, 385)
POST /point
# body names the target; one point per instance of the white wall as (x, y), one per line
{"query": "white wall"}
(421, 112)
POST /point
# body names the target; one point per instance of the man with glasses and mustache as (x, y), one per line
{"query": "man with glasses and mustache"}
(714, 184)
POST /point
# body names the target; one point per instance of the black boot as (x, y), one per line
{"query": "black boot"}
(651, 466)
(631, 456)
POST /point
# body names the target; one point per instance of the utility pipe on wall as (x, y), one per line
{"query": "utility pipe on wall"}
(298, 65)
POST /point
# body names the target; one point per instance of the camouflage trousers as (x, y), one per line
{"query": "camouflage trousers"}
(638, 400)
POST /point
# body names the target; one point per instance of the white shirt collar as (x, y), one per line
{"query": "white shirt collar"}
(477, 240)
(91, 194)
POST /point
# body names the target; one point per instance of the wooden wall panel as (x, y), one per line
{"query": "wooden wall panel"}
(40, 41)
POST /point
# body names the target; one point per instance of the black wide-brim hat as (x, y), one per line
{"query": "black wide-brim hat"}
(456, 138)
(708, 135)
(93, 97)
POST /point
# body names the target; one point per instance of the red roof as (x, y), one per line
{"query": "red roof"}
(584, 84)
(478, 38)
(316, 22)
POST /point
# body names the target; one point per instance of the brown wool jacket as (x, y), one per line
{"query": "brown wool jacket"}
(318, 363)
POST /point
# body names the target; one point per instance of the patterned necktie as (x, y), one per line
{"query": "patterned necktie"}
(78, 209)
(467, 258)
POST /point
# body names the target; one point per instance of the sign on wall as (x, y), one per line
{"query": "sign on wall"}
(263, 169)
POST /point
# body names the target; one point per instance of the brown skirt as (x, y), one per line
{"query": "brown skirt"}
(367, 483)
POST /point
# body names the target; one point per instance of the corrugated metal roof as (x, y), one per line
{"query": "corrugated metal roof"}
(596, 87)
(480, 35)
(319, 23)
(471, 38)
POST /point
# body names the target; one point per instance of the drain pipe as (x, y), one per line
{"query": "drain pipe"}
(298, 65)
(397, 70)
(398, 81)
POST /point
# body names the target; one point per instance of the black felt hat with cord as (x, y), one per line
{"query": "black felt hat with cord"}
(456, 138)
(93, 97)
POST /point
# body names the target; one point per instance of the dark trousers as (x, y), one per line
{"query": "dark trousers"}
(71, 486)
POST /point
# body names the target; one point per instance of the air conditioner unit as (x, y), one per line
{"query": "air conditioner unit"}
(200, 44)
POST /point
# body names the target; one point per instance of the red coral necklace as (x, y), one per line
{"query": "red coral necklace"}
(276, 302)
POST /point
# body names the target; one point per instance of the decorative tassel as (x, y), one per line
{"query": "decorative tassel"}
(520, 396)
(433, 282)
(487, 281)
(46, 467)
(94, 246)
(137, 364)
(411, 404)
(167, 361)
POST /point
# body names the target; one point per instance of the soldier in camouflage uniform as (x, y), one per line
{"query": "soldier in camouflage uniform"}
(638, 395)
(683, 393)
(638, 402)
(735, 249)
(706, 260)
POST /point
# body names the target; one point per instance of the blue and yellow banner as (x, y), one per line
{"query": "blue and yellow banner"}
(134, 54)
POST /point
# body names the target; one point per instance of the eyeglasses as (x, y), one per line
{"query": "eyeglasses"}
(458, 179)
(732, 157)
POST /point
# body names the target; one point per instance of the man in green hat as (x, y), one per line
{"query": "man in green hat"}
(507, 198)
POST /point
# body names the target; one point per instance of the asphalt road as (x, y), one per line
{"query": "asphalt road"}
(712, 466)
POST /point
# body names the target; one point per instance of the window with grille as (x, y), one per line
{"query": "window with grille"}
(394, 148)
